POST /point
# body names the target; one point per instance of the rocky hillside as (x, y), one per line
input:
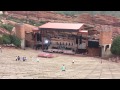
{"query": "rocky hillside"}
(41, 16)
(111, 13)
(3, 31)
(50, 16)
(98, 19)
(55, 17)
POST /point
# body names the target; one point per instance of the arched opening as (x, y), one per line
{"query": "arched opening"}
(106, 47)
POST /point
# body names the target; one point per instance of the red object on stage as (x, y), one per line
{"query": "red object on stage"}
(45, 55)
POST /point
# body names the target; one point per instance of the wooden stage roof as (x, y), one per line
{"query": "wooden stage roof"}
(68, 26)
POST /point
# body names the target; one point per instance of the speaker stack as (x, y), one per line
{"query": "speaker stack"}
(79, 38)
(76, 39)
(39, 37)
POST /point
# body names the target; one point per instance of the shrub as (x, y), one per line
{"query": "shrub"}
(15, 40)
(10, 39)
(6, 39)
(115, 47)
(1, 40)
(7, 27)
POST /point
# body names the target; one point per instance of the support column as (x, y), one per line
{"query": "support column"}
(109, 46)
(42, 38)
(104, 48)
(23, 44)
(102, 51)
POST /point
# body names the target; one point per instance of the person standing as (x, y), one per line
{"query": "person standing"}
(73, 62)
(63, 68)
(37, 59)
(1, 49)
(24, 58)
(18, 58)
(117, 59)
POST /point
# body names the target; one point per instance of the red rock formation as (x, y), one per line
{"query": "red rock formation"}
(85, 18)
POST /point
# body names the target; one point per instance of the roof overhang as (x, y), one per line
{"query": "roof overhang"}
(61, 26)
(35, 29)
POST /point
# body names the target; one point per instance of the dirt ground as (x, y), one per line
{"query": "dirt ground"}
(50, 68)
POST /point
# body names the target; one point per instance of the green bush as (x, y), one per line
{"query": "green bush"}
(115, 47)
(10, 39)
(7, 27)
(15, 40)
(1, 40)
(6, 39)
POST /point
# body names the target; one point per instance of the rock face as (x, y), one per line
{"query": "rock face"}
(85, 18)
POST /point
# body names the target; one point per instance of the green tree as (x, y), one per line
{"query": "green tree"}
(115, 47)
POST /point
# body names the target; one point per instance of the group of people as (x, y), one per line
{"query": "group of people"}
(18, 58)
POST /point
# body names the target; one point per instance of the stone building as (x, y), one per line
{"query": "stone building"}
(68, 38)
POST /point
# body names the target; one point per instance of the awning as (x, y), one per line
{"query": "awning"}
(83, 32)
